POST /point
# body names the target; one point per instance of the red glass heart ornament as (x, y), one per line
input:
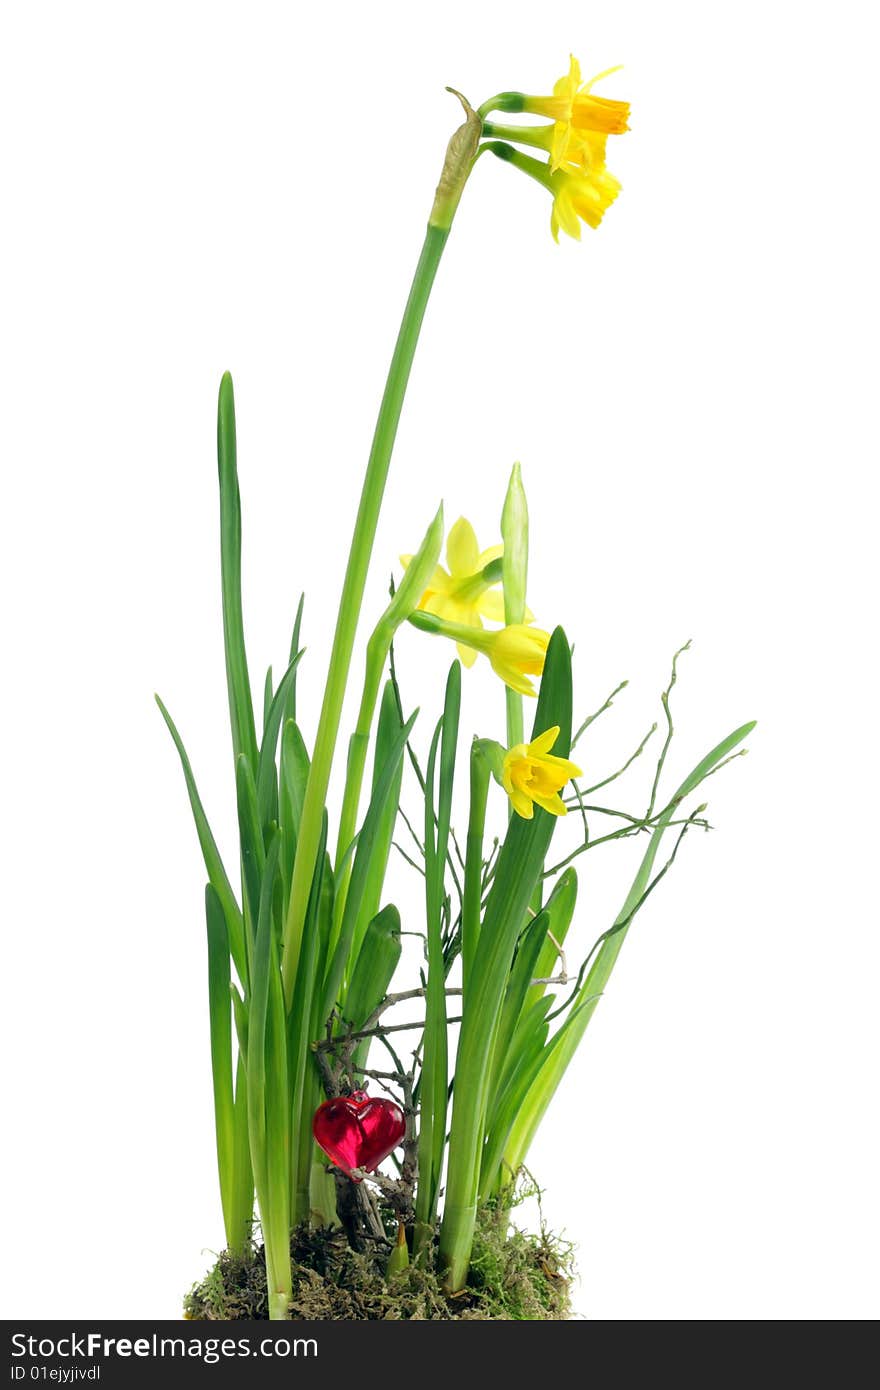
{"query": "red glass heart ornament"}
(358, 1131)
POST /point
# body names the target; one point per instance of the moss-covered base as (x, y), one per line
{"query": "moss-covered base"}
(514, 1275)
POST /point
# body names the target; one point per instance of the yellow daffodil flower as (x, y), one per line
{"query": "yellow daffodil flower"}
(464, 593)
(580, 196)
(531, 776)
(582, 189)
(575, 110)
(515, 652)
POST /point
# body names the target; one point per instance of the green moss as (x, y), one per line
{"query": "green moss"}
(514, 1275)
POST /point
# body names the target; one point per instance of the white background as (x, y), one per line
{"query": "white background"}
(190, 187)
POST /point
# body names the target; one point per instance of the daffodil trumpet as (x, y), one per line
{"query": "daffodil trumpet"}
(531, 774)
(515, 652)
(304, 944)
(572, 102)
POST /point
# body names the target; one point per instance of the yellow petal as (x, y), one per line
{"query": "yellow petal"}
(436, 603)
(567, 86)
(544, 742)
(563, 767)
(565, 215)
(559, 146)
(440, 580)
(467, 655)
(491, 605)
(516, 680)
(554, 804)
(486, 557)
(606, 72)
(522, 805)
(462, 551)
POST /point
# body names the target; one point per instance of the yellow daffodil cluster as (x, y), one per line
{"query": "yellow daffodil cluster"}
(575, 171)
(577, 113)
(457, 600)
(467, 591)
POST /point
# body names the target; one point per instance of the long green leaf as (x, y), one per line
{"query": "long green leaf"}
(434, 1082)
(295, 645)
(521, 976)
(220, 1015)
(253, 854)
(211, 855)
(376, 963)
(267, 1090)
(519, 866)
(243, 1184)
(515, 1106)
(387, 731)
(267, 775)
(565, 1043)
(560, 909)
(292, 781)
(365, 855)
(240, 1016)
(299, 1024)
(241, 712)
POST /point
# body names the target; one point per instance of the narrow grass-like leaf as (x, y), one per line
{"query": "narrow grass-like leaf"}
(241, 711)
(243, 1178)
(529, 1037)
(560, 909)
(293, 776)
(520, 863)
(300, 1035)
(434, 1082)
(516, 1108)
(387, 732)
(268, 1100)
(376, 963)
(295, 647)
(220, 1015)
(267, 774)
(267, 696)
(521, 976)
(240, 1016)
(364, 858)
(564, 1045)
(211, 855)
(253, 854)
(472, 893)
(258, 1010)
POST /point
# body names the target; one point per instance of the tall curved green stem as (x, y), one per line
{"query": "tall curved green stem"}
(454, 175)
(352, 596)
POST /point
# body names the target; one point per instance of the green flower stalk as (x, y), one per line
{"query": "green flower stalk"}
(456, 168)
(403, 603)
(515, 573)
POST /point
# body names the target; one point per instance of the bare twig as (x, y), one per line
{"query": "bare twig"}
(621, 926)
(664, 700)
(588, 791)
(601, 710)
